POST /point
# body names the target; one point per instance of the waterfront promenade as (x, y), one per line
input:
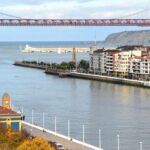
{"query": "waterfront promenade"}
(67, 142)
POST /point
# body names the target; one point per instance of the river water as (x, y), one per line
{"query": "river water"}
(115, 109)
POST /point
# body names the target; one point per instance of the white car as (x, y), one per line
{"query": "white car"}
(59, 146)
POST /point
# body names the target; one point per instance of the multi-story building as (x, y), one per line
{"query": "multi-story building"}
(139, 67)
(121, 62)
(117, 61)
(8, 117)
(98, 61)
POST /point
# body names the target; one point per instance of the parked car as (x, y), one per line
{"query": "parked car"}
(59, 146)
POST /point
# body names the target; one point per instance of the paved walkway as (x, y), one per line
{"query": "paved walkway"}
(55, 137)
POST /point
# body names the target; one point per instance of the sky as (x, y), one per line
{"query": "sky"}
(69, 9)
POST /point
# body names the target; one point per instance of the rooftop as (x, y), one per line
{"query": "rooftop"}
(6, 95)
(106, 50)
(131, 47)
(6, 111)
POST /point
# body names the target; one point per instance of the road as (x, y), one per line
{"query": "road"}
(68, 143)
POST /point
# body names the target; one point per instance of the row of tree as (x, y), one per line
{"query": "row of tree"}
(82, 65)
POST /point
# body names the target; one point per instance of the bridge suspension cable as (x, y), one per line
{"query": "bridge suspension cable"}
(8, 15)
(134, 14)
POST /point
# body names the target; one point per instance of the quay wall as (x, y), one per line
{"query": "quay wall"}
(61, 73)
(18, 63)
(110, 79)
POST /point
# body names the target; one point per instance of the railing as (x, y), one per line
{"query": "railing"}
(62, 136)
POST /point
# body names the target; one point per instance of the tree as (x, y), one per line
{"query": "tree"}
(71, 65)
(9, 139)
(35, 144)
(84, 64)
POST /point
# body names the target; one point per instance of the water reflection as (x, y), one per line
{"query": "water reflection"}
(115, 109)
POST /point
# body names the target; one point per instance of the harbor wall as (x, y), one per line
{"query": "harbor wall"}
(110, 79)
(29, 65)
(62, 73)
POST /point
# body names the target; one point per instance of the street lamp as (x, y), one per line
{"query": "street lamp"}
(43, 120)
(55, 125)
(32, 117)
(118, 141)
(68, 129)
(83, 134)
(100, 142)
(141, 145)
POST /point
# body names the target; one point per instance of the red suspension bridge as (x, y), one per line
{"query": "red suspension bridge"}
(74, 22)
(17, 21)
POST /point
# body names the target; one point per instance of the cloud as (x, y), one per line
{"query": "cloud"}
(73, 8)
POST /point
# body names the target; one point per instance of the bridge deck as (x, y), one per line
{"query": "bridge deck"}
(74, 22)
(69, 144)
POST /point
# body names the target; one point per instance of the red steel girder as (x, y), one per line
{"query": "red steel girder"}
(74, 22)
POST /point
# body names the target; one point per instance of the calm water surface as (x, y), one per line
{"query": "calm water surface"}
(115, 109)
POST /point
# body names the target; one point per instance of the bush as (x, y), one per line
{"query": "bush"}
(9, 139)
(37, 143)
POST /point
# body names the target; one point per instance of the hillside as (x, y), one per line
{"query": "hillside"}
(127, 38)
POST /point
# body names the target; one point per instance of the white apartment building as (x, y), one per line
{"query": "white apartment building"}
(98, 61)
(121, 61)
(139, 66)
(118, 62)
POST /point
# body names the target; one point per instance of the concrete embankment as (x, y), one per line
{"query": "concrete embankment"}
(30, 65)
(62, 73)
(110, 79)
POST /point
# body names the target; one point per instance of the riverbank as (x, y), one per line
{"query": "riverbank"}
(63, 73)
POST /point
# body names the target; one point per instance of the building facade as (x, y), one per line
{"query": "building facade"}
(139, 67)
(8, 117)
(98, 61)
(119, 62)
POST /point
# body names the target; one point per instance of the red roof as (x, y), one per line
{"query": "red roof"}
(6, 111)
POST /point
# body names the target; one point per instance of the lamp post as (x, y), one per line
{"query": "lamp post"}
(68, 129)
(43, 120)
(22, 111)
(83, 134)
(100, 142)
(55, 125)
(141, 145)
(118, 141)
(32, 116)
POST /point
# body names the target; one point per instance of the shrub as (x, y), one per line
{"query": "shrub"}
(37, 143)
